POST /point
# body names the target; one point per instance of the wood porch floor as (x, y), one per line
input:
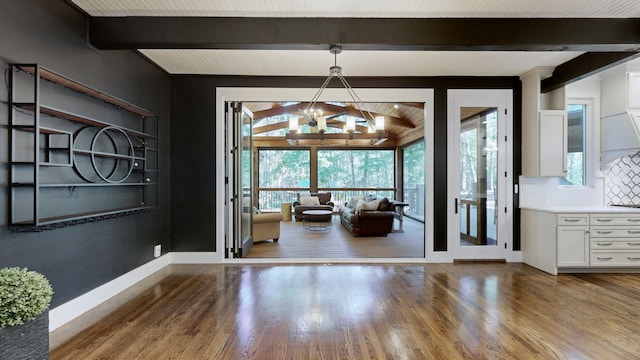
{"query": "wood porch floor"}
(342, 311)
(338, 243)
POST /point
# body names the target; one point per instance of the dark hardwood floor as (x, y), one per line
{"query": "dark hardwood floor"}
(342, 311)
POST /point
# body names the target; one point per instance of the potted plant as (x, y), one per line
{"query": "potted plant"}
(24, 314)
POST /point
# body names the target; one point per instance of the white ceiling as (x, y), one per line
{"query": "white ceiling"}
(359, 63)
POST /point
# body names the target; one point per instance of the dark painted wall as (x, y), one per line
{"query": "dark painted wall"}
(193, 176)
(79, 258)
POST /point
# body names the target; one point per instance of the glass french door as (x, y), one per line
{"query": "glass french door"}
(478, 173)
(239, 180)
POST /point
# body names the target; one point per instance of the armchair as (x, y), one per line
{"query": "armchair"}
(266, 226)
(322, 201)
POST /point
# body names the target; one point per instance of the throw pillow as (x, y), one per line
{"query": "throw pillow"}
(256, 210)
(303, 194)
(385, 205)
(353, 202)
(364, 205)
(309, 200)
(324, 197)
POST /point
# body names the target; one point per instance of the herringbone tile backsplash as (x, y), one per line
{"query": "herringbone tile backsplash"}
(623, 181)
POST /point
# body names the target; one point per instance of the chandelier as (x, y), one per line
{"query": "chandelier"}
(314, 118)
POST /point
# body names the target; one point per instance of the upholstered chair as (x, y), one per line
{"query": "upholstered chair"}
(266, 226)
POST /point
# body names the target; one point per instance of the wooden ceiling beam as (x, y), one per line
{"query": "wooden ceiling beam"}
(328, 110)
(417, 34)
(591, 35)
(584, 66)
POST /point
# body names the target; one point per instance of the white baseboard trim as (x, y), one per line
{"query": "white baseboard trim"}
(70, 310)
(195, 258)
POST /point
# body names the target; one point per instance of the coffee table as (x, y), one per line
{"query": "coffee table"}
(316, 220)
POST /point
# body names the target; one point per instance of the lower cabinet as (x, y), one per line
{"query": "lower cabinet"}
(615, 240)
(572, 246)
(565, 242)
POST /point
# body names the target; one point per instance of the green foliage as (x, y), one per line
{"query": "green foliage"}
(283, 168)
(356, 168)
(24, 295)
(414, 164)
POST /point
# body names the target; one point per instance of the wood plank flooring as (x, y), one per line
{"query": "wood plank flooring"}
(338, 243)
(342, 311)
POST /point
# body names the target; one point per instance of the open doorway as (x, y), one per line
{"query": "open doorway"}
(282, 171)
(389, 170)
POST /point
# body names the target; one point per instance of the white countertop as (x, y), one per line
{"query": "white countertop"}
(581, 209)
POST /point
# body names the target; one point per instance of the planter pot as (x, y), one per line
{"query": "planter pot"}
(27, 341)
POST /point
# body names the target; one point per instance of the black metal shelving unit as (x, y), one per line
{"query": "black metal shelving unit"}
(52, 148)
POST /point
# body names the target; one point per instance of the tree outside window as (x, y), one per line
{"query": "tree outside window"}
(576, 169)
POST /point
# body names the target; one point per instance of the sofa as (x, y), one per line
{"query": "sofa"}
(367, 216)
(311, 201)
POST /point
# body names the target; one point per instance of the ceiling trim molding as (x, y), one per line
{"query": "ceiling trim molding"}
(436, 34)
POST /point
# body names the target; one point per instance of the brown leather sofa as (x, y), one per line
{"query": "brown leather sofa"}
(368, 222)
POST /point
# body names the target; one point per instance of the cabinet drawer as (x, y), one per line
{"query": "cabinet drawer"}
(631, 232)
(615, 219)
(615, 258)
(615, 244)
(573, 219)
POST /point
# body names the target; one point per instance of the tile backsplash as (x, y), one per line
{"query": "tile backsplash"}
(622, 180)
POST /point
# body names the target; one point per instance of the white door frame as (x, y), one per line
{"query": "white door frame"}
(503, 100)
(425, 96)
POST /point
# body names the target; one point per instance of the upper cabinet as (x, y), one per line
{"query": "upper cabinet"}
(552, 138)
(544, 127)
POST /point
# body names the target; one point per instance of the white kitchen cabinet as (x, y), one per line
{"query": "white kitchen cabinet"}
(552, 137)
(615, 240)
(572, 246)
(544, 127)
(555, 241)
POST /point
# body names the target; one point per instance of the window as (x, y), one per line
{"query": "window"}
(413, 179)
(280, 170)
(576, 147)
(356, 169)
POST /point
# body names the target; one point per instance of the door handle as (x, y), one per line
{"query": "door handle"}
(456, 204)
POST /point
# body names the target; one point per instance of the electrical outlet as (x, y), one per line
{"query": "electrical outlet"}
(157, 250)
